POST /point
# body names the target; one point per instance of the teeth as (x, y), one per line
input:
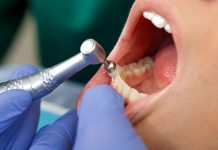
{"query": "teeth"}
(157, 20)
(135, 95)
(139, 69)
(120, 85)
(130, 71)
(128, 93)
(148, 15)
(168, 28)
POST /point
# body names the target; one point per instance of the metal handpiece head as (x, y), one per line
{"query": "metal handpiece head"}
(93, 52)
(109, 66)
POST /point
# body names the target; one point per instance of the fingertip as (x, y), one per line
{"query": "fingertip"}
(12, 104)
(69, 119)
(100, 92)
(23, 71)
(61, 134)
(101, 98)
(18, 100)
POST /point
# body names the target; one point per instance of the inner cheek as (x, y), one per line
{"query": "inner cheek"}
(127, 45)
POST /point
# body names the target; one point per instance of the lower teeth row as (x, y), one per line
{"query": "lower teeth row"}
(128, 72)
(137, 69)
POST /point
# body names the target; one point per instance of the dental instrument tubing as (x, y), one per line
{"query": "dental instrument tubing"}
(44, 82)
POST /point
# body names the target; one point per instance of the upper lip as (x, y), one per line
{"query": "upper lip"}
(161, 7)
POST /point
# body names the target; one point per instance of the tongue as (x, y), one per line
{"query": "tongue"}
(165, 65)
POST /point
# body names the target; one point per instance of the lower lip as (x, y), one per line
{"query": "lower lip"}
(140, 109)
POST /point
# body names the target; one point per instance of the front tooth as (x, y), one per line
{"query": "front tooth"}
(121, 86)
(148, 15)
(168, 28)
(158, 21)
(116, 71)
(134, 95)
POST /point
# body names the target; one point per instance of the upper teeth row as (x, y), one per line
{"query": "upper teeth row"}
(158, 21)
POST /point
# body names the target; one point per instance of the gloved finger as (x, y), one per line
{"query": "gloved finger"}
(28, 123)
(12, 104)
(15, 102)
(102, 123)
(59, 135)
(23, 71)
(22, 130)
(19, 115)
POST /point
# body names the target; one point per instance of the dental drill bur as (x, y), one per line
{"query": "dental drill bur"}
(109, 66)
(44, 82)
(112, 68)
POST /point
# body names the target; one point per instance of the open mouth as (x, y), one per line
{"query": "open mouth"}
(147, 55)
(155, 67)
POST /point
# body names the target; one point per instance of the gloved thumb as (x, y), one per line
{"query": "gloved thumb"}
(13, 103)
(59, 136)
(102, 122)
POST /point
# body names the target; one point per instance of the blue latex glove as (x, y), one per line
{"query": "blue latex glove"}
(58, 136)
(102, 124)
(18, 115)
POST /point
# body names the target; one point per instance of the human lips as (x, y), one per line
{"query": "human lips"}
(135, 37)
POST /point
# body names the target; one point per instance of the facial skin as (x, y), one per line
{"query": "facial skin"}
(185, 114)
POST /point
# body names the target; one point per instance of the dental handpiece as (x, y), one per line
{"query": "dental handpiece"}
(44, 82)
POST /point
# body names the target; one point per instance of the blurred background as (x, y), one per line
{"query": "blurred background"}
(24, 42)
(46, 32)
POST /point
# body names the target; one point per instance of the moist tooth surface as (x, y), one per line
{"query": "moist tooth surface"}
(168, 28)
(130, 72)
(157, 20)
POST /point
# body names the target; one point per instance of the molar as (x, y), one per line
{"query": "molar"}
(129, 72)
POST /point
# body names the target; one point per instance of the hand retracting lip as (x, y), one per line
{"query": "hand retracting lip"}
(44, 82)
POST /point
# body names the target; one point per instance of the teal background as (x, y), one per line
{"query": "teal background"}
(46, 118)
(62, 25)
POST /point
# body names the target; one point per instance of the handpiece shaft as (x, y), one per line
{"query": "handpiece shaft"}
(44, 82)
(65, 70)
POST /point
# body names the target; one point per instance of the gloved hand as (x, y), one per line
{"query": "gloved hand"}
(58, 136)
(19, 119)
(102, 124)
(18, 115)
